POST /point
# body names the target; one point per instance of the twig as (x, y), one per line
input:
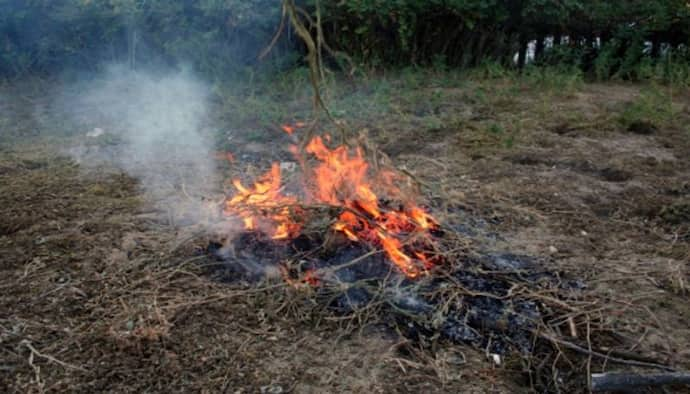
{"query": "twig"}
(223, 297)
(314, 72)
(606, 357)
(335, 54)
(273, 42)
(348, 264)
(50, 358)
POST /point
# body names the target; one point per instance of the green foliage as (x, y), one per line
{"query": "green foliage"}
(495, 128)
(674, 70)
(608, 38)
(624, 39)
(562, 79)
(491, 70)
(605, 62)
(563, 55)
(214, 36)
(631, 43)
(653, 108)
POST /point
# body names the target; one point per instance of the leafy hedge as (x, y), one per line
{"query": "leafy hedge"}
(623, 38)
(619, 34)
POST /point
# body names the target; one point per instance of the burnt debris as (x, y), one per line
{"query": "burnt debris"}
(482, 300)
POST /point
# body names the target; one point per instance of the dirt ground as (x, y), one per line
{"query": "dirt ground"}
(97, 296)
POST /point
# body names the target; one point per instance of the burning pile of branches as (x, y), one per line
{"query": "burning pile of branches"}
(373, 209)
(357, 239)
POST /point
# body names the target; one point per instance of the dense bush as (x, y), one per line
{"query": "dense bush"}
(610, 38)
(215, 36)
(629, 39)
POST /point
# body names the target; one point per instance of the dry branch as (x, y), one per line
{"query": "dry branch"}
(315, 71)
(582, 350)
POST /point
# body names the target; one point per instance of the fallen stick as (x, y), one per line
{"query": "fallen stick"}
(626, 381)
(594, 353)
(48, 357)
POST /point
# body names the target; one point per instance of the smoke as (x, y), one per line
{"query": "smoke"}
(155, 127)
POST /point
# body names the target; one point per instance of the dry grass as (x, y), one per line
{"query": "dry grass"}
(99, 293)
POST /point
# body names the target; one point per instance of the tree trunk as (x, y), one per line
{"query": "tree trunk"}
(468, 50)
(539, 49)
(480, 53)
(522, 54)
(656, 47)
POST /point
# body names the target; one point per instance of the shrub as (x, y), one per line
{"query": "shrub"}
(652, 109)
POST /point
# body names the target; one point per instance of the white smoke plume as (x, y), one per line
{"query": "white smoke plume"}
(156, 129)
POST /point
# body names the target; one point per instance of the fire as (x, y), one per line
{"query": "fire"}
(341, 177)
(263, 206)
(393, 247)
(290, 129)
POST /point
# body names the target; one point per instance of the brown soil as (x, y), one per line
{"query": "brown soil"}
(96, 296)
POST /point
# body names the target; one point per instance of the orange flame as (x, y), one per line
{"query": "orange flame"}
(341, 178)
(264, 201)
(290, 129)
